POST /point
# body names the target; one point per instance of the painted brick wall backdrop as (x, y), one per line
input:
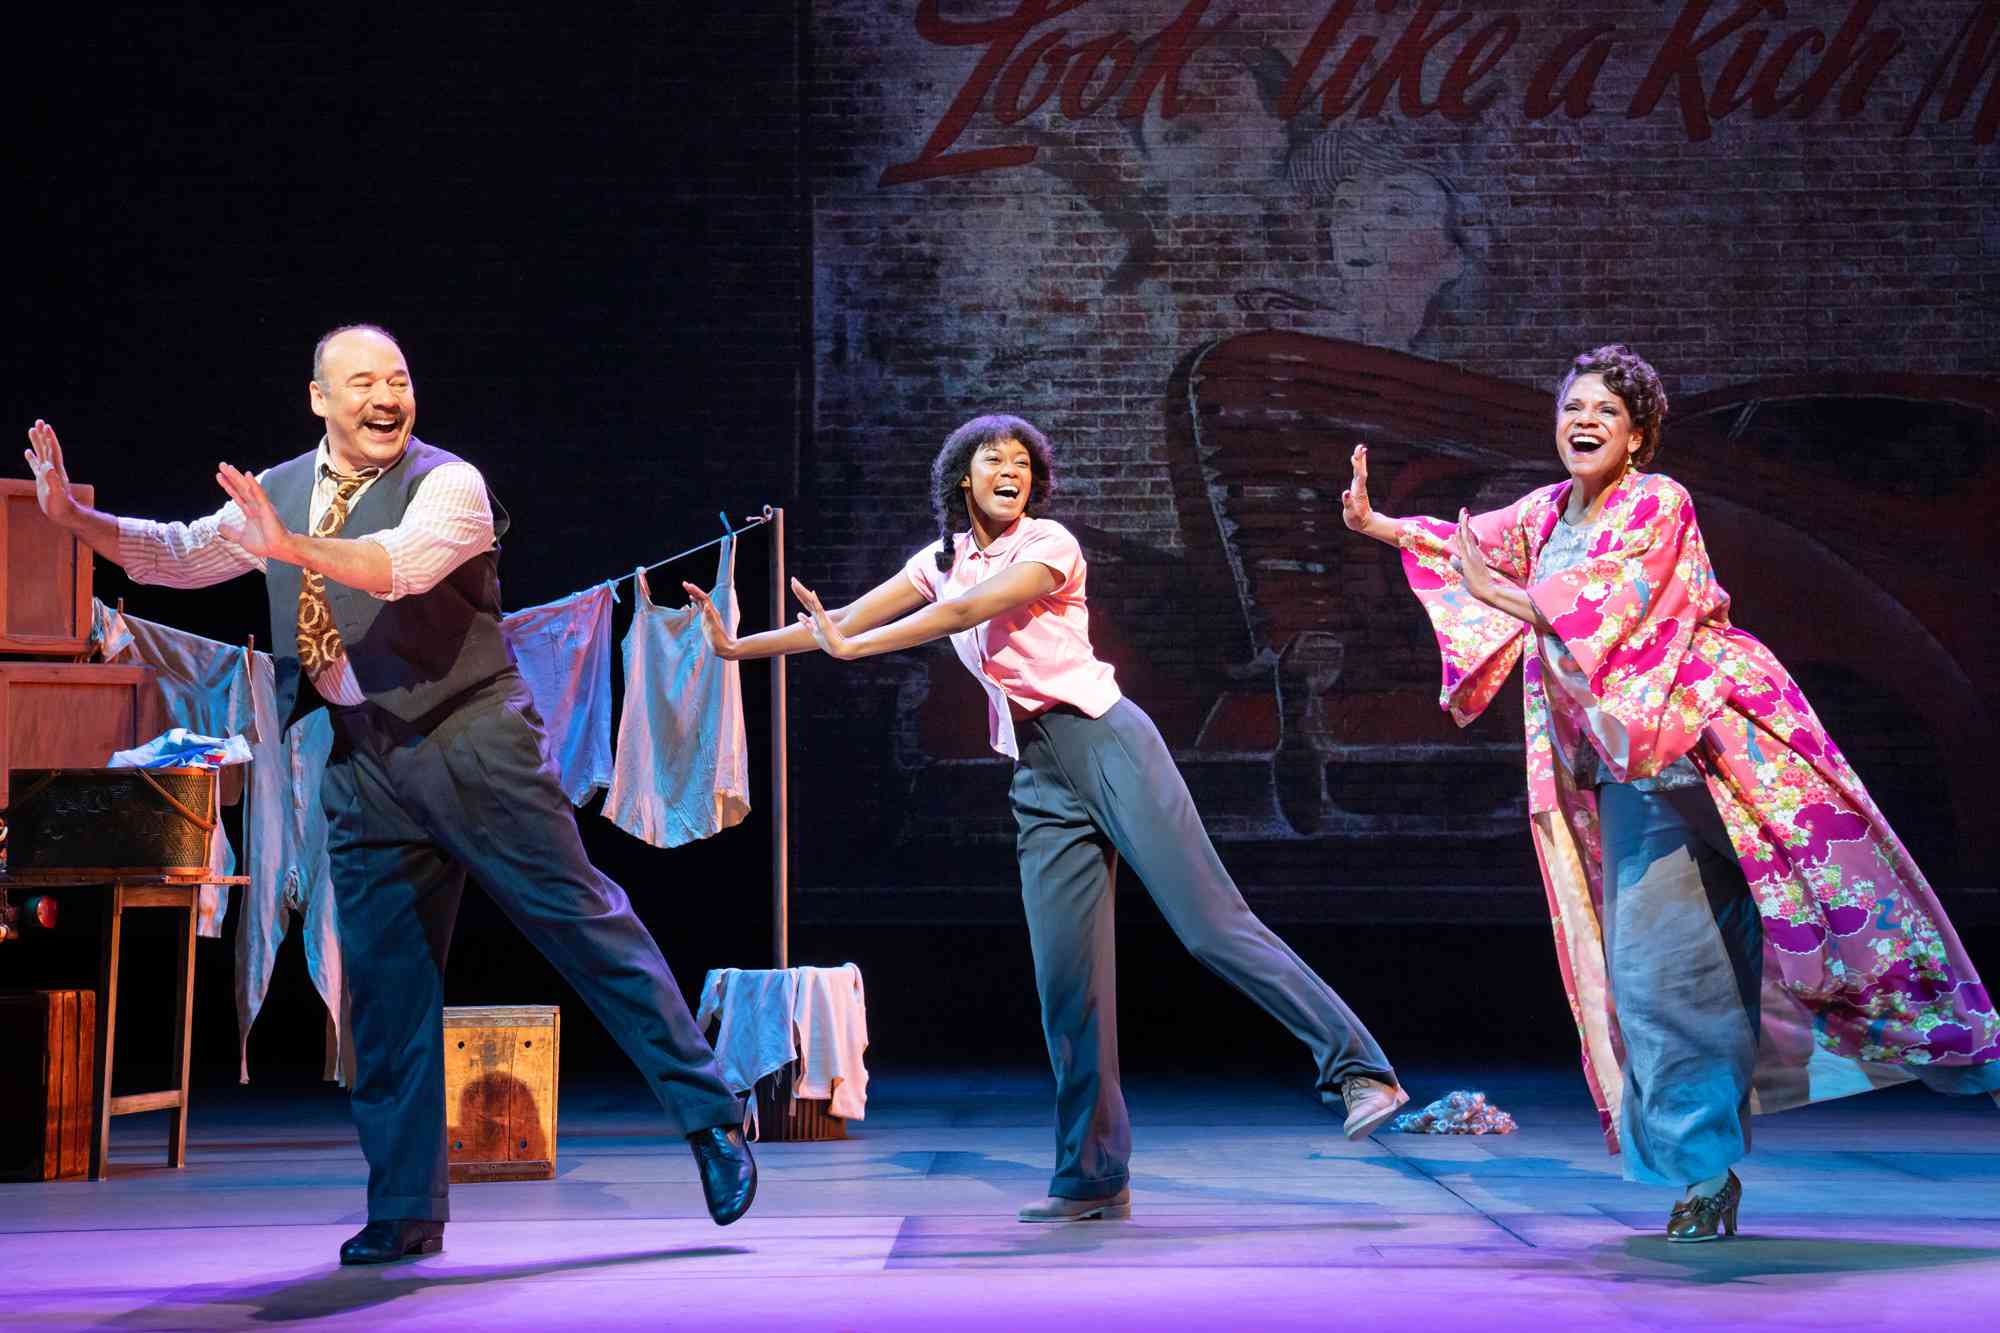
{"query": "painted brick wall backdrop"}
(652, 261)
(1209, 245)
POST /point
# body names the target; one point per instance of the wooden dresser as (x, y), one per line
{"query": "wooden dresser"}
(56, 710)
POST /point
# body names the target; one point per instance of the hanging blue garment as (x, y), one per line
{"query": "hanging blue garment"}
(563, 650)
(683, 769)
(286, 861)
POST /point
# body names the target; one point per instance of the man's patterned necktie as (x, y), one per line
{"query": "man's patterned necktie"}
(319, 637)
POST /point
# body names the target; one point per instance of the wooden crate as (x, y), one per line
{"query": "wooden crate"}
(73, 715)
(48, 1044)
(44, 577)
(500, 1073)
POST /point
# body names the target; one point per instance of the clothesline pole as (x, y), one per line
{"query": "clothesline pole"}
(780, 786)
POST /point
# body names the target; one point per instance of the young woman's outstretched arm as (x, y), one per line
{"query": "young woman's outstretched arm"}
(1004, 592)
(893, 597)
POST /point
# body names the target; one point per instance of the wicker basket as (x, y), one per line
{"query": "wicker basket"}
(783, 1117)
(124, 819)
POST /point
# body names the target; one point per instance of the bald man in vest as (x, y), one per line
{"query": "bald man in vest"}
(381, 555)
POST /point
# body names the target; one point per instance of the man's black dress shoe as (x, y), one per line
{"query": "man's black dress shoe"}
(728, 1175)
(386, 1242)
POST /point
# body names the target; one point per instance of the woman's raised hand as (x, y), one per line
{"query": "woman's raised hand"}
(820, 625)
(712, 628)
(1355, 510)
(1470, 562)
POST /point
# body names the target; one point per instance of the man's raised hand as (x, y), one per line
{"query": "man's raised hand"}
(45, 460)
(260, 531)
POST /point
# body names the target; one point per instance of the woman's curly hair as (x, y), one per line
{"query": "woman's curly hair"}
(954, 463)
(1636, 383)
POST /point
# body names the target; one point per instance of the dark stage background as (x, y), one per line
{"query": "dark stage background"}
(654, 261)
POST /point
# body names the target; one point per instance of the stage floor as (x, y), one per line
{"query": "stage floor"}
(1250, 1211)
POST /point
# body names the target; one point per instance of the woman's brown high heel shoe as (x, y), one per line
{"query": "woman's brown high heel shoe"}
(1698, 1219)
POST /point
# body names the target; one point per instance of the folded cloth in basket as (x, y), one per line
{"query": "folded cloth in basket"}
(181, 748)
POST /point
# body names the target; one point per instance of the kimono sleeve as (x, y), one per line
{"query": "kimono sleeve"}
(1478, 644)
(1627, 614)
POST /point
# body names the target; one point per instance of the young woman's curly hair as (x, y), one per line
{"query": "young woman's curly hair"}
(954, 463)
(1636, 383)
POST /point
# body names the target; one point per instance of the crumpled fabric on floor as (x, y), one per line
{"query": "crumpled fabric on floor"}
(1456, 1113)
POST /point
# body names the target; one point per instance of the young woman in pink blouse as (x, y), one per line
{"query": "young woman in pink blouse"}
(1093, 783)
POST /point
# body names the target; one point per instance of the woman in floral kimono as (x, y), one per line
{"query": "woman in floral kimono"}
(1739, 928)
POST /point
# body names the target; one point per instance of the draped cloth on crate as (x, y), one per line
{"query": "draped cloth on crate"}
(768, 1018)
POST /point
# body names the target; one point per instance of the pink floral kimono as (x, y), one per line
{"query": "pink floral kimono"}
(1865, 982)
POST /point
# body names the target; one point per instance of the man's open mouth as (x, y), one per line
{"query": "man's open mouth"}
(383, 425)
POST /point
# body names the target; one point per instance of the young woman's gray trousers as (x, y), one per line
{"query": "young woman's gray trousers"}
(1086, 793)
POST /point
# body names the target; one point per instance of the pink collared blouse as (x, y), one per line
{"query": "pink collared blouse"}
(1034, 656)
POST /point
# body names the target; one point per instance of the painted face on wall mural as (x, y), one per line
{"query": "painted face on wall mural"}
(1382, 240)
(1213, 156)
(1389, 237)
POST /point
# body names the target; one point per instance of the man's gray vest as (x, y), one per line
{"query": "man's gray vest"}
(410, 655)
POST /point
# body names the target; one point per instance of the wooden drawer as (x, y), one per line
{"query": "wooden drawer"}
(48, 1051)
(500, 1068)
(44, 577)
(73, 715)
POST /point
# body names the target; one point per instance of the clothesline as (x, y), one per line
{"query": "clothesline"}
(753, 521)
(254, 978)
